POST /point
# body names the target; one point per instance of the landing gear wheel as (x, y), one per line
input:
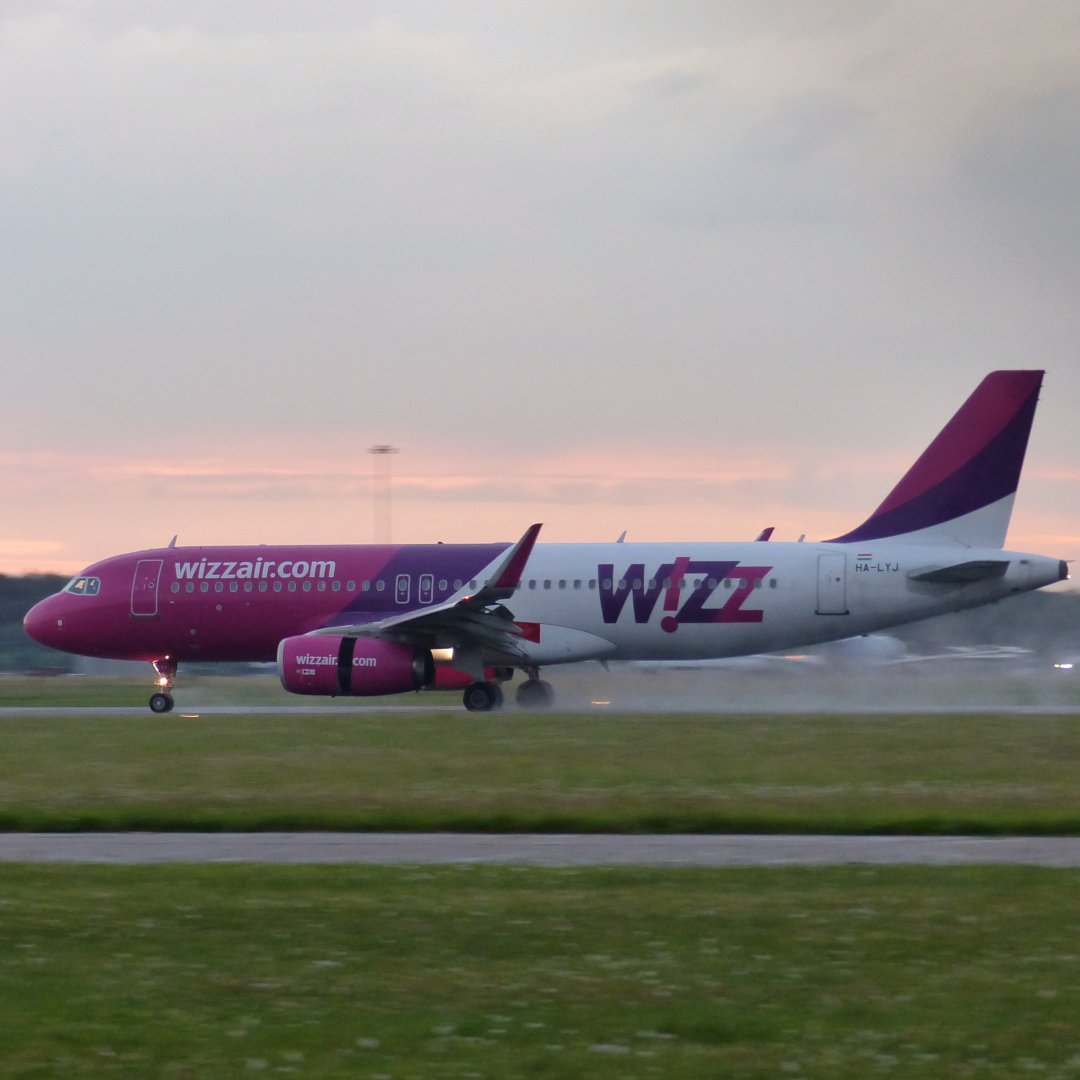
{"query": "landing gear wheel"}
(161, 703)
(535, 694)
(483, 697)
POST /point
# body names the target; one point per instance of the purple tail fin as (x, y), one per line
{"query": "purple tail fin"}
(962, 487)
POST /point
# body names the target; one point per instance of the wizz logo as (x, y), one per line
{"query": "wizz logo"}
(685, 585)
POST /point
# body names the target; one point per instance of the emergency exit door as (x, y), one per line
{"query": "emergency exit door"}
(832, 585)
(144, 587)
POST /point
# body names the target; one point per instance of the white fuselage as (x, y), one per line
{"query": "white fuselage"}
(700, 600)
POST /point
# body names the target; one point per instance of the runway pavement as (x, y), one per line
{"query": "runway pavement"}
(535, 849)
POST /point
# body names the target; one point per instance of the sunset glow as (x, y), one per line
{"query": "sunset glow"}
(678, 269)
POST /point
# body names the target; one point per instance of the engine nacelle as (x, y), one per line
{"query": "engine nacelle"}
(333, 666)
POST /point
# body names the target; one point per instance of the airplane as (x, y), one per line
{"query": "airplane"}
(360, 620)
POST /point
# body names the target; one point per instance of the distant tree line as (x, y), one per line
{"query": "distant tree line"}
(1048, 623)
(17, 651)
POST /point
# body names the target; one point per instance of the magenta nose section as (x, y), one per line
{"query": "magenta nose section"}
(44, 623)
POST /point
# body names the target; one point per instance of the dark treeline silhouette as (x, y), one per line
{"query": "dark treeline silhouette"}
(17, 651)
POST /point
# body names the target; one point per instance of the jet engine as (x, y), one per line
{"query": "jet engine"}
(318, 664)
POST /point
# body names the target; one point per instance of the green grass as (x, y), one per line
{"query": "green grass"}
(592, 771)
(507, 972)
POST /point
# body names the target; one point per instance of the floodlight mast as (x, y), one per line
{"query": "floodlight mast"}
(382, 493)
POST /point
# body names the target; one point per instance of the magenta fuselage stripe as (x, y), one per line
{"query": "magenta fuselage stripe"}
(281, 591)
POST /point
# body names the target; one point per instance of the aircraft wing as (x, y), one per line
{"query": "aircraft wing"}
(466, 621)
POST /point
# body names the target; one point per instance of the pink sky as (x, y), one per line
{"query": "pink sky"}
(85, 507)
(686, 269)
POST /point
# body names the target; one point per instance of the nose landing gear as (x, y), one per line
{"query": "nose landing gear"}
(162, 700)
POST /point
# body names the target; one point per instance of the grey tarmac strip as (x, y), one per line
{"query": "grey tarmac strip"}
(535, 849)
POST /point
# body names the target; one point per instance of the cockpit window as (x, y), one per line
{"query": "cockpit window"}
(83, 586)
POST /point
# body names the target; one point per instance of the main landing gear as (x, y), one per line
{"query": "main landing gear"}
(162, 700)
(534, 693)
(483, 697)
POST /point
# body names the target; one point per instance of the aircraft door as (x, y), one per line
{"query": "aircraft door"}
(403, 588)
(832, 585)
(144, 587)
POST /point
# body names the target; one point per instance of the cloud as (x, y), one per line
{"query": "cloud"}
(27, 548)
(510, 239)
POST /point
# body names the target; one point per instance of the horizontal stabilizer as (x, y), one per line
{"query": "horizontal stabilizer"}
(964, 573)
